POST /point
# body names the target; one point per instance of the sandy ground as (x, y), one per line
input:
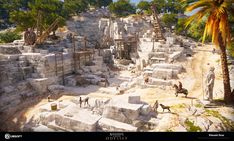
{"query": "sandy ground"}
(196, 68)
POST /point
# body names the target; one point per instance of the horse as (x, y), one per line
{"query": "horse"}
(178, 91)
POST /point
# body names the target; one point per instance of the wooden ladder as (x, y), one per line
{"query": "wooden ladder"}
(156, 25)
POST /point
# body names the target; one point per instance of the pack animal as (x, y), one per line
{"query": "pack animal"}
(165, 107)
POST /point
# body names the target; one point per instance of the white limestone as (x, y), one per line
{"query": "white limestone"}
(134, 99)
(113, 125)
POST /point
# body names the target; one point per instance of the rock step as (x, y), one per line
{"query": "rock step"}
(43, 128)
(154, 81)
(107, 124)
(179, 68)
(54, 126)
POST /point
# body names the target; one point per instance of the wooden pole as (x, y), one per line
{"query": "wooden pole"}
(62, 69)
(79, 60)
(55, 57)
(74, 53)
(85, 42)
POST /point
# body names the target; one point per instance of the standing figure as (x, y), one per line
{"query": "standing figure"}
(213, 51)
(86, 101)
(180, 86)
(146, 79)
(210, 84)
(106, 82)
(48, 98)
(80, 102)
(155, 107)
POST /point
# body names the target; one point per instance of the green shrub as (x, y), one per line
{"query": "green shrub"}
(198, 105)
(229, 124)
(191, 127)
(231, 49)
(9, 36)
(122, 8)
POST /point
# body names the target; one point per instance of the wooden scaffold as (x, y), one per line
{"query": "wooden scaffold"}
(59, 67)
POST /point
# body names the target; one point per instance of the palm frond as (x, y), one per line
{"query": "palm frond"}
(223, 27)
(199, 4)
(197, 16)
(217, 23)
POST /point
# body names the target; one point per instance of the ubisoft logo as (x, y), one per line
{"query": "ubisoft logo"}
(7, 136)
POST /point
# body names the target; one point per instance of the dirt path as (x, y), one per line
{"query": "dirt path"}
(193, 80)
(200, 64)
(198, 69)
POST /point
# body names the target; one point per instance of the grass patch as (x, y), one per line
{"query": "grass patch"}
(219, 99)
(212, 113)
(169, 130)
(179, 106)
(226, 122)
(190, 127)
(9, 36)
(198, 105)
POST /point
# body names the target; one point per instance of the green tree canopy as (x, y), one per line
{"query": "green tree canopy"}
(180, 26)
(99, 3)
(37, 14)
(75, 7)
(122, 8)
(143, 5)
(169, 20)
(168, 6)
(7, 6)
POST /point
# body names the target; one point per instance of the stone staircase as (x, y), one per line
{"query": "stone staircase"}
(13, 69)
(160, 57)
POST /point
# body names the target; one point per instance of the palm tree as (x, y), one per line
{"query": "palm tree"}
(217, 26)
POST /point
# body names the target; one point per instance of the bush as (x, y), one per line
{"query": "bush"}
(122, 8)
(190, 127)
(231, 50)
(169, 20)
(9, 36)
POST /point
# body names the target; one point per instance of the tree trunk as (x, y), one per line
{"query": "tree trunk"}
(226, 80)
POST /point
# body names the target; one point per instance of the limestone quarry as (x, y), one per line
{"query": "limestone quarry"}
(117, 66)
